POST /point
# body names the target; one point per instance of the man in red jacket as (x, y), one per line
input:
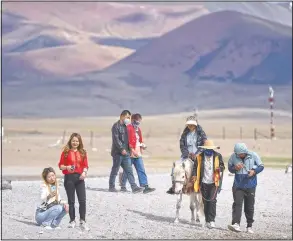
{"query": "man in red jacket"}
(136, 146)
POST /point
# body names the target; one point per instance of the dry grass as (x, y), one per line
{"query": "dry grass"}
(30, 139)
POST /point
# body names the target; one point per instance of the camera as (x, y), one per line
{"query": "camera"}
(143, 146)
(72, 167)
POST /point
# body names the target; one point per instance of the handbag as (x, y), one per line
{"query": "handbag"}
(45, 206)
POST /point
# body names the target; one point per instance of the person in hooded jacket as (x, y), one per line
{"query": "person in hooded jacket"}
(245, 165)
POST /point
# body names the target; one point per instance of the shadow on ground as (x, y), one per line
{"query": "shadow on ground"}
(97, 189)
(162, 219)
(31, 223)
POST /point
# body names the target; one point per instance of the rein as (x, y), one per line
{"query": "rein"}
(214, 196)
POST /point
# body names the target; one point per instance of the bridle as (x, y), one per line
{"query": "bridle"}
(182, 182)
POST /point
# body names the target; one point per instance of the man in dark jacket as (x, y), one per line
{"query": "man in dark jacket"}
(120, 152)
(192, 137)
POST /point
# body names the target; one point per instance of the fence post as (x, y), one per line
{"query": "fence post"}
(223, 133)
(255, 134)
(240, 132)
(92, 139)
(63, 137)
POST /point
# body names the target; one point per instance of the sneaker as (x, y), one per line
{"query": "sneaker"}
(46, 227)
(213, 225)
(234, 227)
(171, 191)
(113, 189)
(72, 224)
(137, 189)
(249, 230)
(123, 189)
(208, 225)
(148, 189)
(83, 226)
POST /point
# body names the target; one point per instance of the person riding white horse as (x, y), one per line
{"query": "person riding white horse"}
(207, 179)
(192, 137)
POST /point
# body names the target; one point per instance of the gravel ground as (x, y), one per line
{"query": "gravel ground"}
(151, 216)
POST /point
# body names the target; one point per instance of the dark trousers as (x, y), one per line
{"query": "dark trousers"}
(72, 184)
(248, 196)
(125, 163)
(208, 192)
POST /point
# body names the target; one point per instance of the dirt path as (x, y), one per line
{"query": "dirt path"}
(151, 216)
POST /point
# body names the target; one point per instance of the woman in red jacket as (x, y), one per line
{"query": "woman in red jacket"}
(136, 146)
(74, 166)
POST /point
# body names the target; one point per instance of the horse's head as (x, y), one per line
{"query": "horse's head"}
(179, 176)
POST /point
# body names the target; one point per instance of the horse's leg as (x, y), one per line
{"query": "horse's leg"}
(197, 206)
(192, 207)
(178, 206)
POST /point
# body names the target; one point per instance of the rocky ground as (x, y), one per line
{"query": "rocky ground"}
(151, 216)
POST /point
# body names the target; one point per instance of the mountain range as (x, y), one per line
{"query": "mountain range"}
(95, 58)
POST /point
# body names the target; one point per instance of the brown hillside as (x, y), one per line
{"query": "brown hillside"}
(219, 46)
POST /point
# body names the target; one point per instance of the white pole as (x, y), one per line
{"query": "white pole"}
(2, 132)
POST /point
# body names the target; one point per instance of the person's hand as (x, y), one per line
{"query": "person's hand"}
(68, 168)
(52, 194)
(251, 173)
(193, 179)
(239, 166)
(189, 185)
(66, 207)
(134, 153)
(143, 146)
(124, 152)
(82, 176)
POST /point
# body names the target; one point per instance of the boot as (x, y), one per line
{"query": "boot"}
(172, 189)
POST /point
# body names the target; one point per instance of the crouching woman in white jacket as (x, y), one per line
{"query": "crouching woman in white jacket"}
(52, 209)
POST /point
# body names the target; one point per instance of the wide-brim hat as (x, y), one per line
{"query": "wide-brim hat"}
(209, 144)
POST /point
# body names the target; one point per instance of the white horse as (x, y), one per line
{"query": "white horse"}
(182, 173)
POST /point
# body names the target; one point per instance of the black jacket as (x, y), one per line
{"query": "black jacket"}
(201, 137)
(195, 166)
(119, 138)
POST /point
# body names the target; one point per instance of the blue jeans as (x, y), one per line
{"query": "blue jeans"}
(50, 217)
(125, 163)
(142, 177)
